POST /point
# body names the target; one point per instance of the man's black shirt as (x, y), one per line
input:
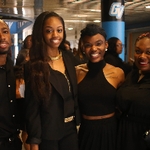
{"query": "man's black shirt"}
(8, 109)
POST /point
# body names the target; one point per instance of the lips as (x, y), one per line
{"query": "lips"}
(4, 45)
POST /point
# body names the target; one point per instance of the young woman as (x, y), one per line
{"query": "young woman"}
(51, 89)
(115, 47)
(133, 99)
(97, 84)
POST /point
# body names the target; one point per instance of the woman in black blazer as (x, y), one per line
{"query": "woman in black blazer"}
(51, 88)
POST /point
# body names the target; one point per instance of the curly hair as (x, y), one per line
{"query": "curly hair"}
(92, 29)
(39, 68)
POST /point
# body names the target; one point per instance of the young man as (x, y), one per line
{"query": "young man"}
(9, 132)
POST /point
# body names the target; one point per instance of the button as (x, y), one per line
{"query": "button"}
(11, 100)
(13, 115)
(9, 85)
(9, 139)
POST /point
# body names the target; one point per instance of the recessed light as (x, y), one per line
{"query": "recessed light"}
(147, 6)
(70, 28)
(96, 21)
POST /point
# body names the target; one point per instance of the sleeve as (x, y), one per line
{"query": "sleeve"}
(32, 116)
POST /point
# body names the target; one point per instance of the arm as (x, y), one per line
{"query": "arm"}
(32, 115)
(34, 147)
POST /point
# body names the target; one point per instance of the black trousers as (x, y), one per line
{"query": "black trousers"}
(68, 142)
(14, 144)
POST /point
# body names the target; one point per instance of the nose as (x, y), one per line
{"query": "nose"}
(143, 55)
(1, 36)
(54, 33)
(93, 48)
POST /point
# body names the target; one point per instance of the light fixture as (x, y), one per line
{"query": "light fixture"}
(70, 28)
(96, 21)
(148, 6)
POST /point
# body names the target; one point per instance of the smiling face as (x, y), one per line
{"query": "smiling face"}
(53, 32)
(5, 38)
(94, 47)
(142, 54)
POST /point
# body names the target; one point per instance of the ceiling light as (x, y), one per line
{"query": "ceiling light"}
(74, 21)
(147, 6)
(70, 28)
(96, 21)
(95, 10)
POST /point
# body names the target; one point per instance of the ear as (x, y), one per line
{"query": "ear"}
(106, 45)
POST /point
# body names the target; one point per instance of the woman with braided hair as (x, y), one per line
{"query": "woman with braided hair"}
(133, 99)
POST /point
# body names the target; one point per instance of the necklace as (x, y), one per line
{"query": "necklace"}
(57, 57)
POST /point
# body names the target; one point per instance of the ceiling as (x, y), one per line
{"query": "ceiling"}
(76, 13)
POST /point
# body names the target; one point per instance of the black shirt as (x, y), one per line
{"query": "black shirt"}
(8, 125)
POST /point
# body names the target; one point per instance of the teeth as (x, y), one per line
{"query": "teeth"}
(55, 41)
(94, 55)
(143, 63)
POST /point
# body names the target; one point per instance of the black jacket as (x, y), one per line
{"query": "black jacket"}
(48, 121)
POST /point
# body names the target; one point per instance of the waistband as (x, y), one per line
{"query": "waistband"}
(98, 117)
(69, 119)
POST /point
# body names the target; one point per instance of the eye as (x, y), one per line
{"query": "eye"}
(138, 51)
(49, 30)
(99, 43)
(87, 45)
(6, 31)
(148, 52)
(60, 30)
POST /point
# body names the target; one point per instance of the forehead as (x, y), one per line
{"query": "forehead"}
(118, 41)
(53, 21)
(144, 42)
(94, 38)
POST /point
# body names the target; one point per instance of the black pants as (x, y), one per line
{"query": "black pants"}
(15, 144)
(68, 142)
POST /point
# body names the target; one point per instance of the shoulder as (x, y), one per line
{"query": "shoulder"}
(114, 73)
(81, 71)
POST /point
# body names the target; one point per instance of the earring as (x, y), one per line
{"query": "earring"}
(106, 49)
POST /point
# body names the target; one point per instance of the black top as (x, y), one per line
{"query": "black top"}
(8, 124)
(133, 99)
(96, 94)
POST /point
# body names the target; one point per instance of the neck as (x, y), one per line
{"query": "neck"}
(94, 68)
(55, 55)
(53, 52)
(3, 59)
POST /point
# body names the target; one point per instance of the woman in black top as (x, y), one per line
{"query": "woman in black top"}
(112, 55)
(51, 89)
(133, 99)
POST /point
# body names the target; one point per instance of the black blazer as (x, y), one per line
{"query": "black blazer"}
(47, 121)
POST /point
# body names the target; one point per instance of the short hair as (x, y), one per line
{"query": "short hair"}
(93, 29)
(4, 22)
